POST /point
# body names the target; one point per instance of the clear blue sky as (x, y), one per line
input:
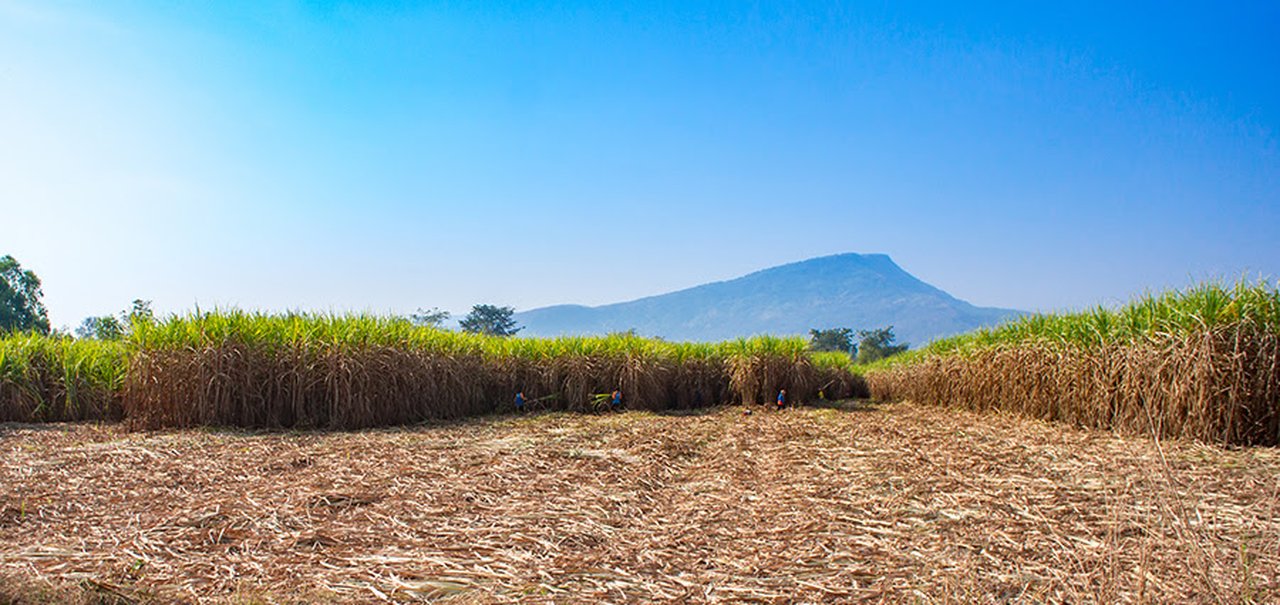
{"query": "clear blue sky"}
(386, 156)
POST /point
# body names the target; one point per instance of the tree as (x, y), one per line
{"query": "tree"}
(877, 344)
(139, 312)
(490, 319)
(833, 339)
(107, 327)
(20, 307)
(115, 327)
(432, 318)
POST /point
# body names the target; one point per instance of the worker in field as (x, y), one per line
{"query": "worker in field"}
(782, 399)
(616, 402)
(520, 401)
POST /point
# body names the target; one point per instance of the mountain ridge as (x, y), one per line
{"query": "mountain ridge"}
(860, 291)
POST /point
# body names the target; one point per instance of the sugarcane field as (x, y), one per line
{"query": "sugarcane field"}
(233, 457)
(388, 302)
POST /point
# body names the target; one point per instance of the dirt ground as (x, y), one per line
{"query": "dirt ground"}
(855, 503)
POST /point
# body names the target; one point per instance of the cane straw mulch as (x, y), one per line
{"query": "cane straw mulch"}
(897, 503)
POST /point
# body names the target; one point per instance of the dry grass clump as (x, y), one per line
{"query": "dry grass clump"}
(249, 370)
(899, 503)
(1202, 364)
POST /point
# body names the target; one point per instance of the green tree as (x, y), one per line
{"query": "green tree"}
(115, 327)
(20, 307)
(490, 319)
(833, 339)
(107, 327)
(877, 344)
(139, 312)
(432, 317)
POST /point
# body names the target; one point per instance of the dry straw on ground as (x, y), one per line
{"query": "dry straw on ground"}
(901, 503)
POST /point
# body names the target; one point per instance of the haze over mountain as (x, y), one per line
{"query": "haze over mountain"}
(859, 291)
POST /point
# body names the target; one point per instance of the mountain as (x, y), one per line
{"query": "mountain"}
(859, 291)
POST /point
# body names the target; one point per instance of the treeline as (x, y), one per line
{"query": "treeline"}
(862, 346)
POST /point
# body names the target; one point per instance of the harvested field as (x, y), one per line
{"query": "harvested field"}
(858, 504)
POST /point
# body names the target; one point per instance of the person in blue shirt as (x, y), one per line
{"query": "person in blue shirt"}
(782, 399)
(616, 403)
(520, 401)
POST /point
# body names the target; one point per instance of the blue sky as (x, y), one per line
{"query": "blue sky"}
(394, 155)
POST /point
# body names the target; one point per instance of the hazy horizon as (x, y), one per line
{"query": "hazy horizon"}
(382, 157)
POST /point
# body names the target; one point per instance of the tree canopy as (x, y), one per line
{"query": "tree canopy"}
(877, 344)
(21, 309)
(490, 319)
(433, 317)
(114, 327)
(833, 339)
(106, 327)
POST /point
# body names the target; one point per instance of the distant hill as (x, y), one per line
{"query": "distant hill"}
(860, 291)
